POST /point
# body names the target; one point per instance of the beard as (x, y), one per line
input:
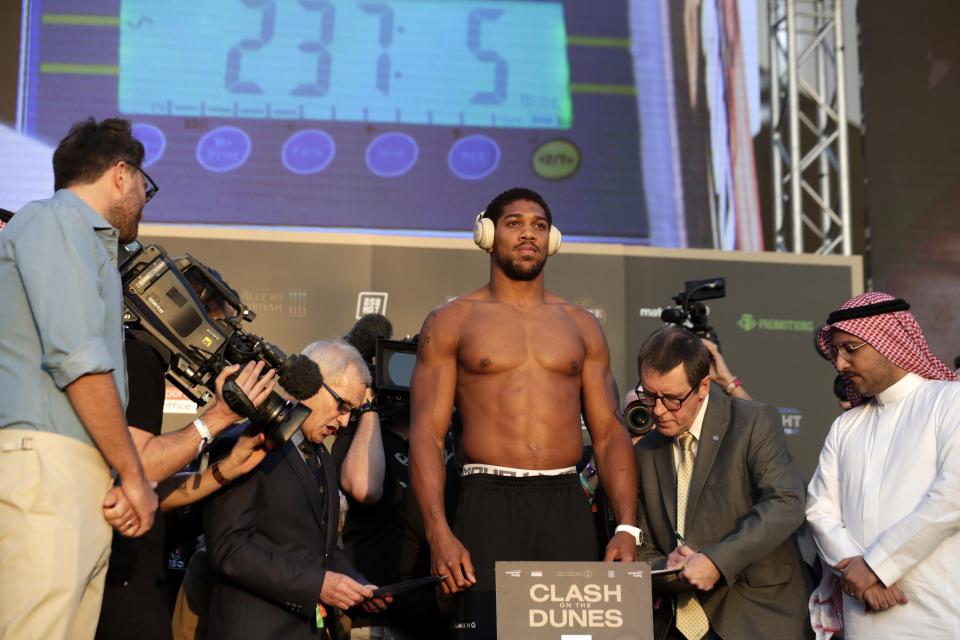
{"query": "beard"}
(125, 216)
(520, 270)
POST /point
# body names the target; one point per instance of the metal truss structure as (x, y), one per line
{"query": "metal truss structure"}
(811, 176)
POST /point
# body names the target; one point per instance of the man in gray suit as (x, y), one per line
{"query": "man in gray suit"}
(719, 496)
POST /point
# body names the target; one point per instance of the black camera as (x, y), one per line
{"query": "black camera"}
(187, 309)
(637, 418)
(395, 361)
(691, 312)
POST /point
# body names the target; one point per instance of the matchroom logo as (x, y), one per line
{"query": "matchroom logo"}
(748, 322)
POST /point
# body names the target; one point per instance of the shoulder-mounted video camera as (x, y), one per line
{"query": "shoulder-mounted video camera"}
(195, 317)
(692, 313)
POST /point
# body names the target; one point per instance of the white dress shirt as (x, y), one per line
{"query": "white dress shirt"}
(694, 430)
(887, 487)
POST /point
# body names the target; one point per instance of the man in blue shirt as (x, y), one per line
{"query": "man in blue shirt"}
(63, 387)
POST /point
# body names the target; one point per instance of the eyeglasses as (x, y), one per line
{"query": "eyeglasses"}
(343, 406)
(152, 188)
(649, 400)
(848, 350)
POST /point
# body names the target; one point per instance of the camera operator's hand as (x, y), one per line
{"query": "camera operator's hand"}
(720, 372)
(341, 591)
(256, 387)
(247, 453)
(452, 560)
(142, 498)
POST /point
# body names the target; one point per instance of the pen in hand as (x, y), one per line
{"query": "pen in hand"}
(680, 543)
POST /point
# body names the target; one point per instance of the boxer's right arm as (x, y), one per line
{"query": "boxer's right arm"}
(432, 392)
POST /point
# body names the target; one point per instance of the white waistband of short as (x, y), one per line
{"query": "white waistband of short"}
(496, 470)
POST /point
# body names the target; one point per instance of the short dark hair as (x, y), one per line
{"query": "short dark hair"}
(495, 209)
(670, 346)
(90, 148)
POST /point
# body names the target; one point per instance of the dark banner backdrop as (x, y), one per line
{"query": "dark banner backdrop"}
(309, 286)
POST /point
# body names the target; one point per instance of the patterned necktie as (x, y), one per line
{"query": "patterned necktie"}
(691, 619)
(311, 459)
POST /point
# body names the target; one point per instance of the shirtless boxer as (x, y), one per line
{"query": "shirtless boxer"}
(520, 364)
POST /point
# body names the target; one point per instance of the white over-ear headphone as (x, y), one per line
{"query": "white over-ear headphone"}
(484, 230)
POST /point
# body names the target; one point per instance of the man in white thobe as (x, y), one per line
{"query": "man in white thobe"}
(884, 503)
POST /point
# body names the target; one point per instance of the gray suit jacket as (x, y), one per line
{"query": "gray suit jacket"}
(746, 500)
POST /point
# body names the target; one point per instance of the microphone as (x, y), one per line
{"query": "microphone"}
(365, 333)
(300, 377)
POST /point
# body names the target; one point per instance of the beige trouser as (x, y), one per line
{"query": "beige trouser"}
(54, 542)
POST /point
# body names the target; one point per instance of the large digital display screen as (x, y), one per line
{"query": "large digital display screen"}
(408, 62)
(633, 118)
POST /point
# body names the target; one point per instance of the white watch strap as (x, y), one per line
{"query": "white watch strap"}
(205, 436)
(636, 532)
(203, 429)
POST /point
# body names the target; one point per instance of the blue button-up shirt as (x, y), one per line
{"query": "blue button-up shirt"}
(61, 309)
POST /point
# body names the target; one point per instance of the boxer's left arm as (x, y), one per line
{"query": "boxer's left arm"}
(616, 464)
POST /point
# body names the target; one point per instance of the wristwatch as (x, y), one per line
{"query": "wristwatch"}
(730, 388)
(367, 407)
(636, 532)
